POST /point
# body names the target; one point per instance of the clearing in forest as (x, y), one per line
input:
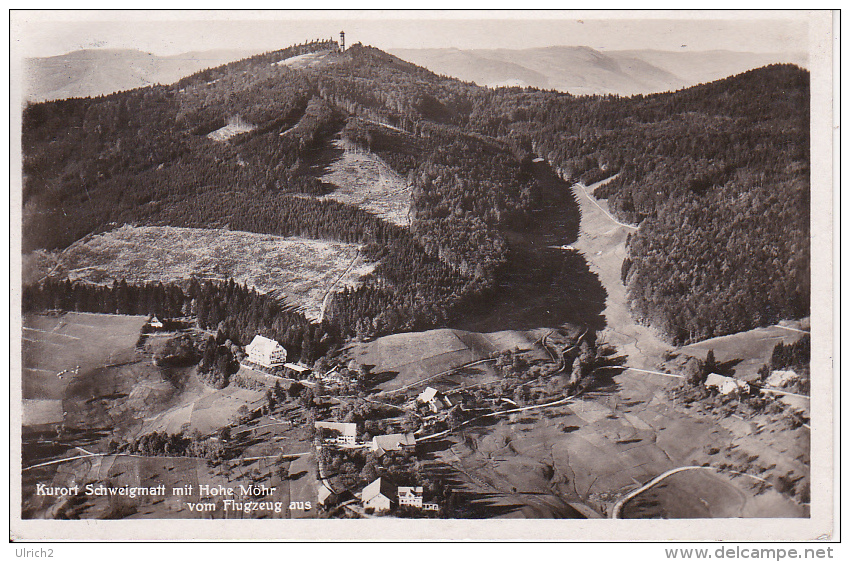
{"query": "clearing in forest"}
(304, 61)
(300, 270)
(235, 126)
(363, 179)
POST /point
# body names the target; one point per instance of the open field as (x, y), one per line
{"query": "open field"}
(364, 180)
(719, 495)
(106, 383)
(42, 412)
(73, 345)
(749, 350)
(298, 269)
(400, 360)
(606, 444)
(202, 408)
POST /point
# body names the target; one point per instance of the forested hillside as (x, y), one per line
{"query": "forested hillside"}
(717, 176)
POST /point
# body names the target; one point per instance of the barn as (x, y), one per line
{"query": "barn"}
(380, 495)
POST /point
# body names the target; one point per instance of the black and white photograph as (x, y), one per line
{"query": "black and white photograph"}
(411, 268)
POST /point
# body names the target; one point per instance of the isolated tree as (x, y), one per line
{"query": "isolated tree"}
(694, 371)
(710, 365)
(279, 393)
(209, 355)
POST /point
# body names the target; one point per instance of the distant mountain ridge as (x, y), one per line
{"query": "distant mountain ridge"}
(95, 72)
(578, 70)
(583, 70)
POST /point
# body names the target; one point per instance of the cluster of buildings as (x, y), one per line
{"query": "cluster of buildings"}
(383, 495)
(345, 434)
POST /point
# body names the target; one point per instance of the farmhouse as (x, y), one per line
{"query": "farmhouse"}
(155, 323)
(392, 442)
(379, 495)
(265, 352)
(345, 433)
(726, 385)
(781, 379)
(435, 399)
(410, 495)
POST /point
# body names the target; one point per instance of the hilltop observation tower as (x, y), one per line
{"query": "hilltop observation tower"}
(341, 41)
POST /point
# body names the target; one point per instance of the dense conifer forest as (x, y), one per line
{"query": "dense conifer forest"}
(717, 177)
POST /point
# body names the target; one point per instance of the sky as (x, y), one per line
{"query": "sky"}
(39, 34)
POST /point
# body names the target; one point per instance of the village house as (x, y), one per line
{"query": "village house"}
(265, 352)
(435, 399)
(325, 496)
(781, 379)
(155, 323)
(410, 495)
(344, 433)
(726, 385)
(393, 442)
(380, 495)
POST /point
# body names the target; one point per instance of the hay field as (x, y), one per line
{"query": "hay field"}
(751, 349)
(41, 412)
(73, 345)
(720, 496)
(200, 407)
(364, 180)
(404, 359)
(299, 270)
